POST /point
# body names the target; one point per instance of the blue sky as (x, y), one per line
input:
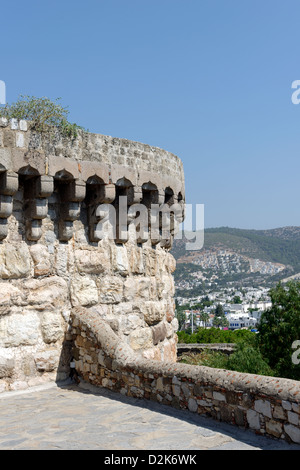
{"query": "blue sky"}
(209, 80)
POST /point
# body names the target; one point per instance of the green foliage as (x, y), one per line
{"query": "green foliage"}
(220, 318)
(269, 352)
(279, 327)
(215, 335)
(43, 115)
(246, 359)
(206, 358)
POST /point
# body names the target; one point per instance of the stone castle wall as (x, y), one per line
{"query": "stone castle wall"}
(53, 259)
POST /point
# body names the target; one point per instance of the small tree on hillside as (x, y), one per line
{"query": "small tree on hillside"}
(220, 319)
(279, 330)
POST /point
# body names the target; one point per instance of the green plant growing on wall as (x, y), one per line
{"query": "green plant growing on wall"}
(43, 115)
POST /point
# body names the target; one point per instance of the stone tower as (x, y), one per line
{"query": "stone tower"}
(53, 258)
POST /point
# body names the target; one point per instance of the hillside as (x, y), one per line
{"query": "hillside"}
(238, 257)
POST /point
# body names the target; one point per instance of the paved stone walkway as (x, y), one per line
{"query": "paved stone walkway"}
(71, 417)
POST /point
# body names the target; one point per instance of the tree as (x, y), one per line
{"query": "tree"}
(43, 115)
(279, 329)
(204, 317)
(220, 319)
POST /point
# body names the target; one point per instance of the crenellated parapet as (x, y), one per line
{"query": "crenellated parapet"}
(82, 173)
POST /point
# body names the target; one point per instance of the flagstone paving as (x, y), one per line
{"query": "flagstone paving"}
(72, 417)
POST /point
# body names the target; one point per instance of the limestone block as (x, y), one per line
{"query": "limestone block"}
(8, 293)
(6, 206)
(150, 262)
(253, 419)
(153, 312)
(61, 260)
(293, 418)
(46, 361)
(192, 405)
(175, 325)
(153, 354)
(159, 332)
(274, 428)
(135, 259)
(170, 310)
(7, 363)
(9, 181)
(14, 124)
(20, 141)
(41, 260)
(44, 186)
(14, 261)
(170, 350)
(33, 229)
(165, 287)
(141, 338)
(219, 396)
(19, 329)
(33, 158)
(278, 413)
(3, 122)
(143, 288)
(23, 125)
(83, 291)
(95, 261)
(3, 229)
(130, 289)
(38, 209)
(127, 319)
(153, 292)
(120, 259)
(110, 290)
(51, 327)
(5, 158)
(50, 290)
(170, 263)
(293, 432)
(264, 407)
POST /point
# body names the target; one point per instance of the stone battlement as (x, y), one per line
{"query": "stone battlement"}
(91, 169)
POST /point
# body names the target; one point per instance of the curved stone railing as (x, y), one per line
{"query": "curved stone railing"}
(269, 406)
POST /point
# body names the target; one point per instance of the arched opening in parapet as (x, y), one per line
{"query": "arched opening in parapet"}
(150, 194)
(95, 191)
(28, 177)
(180, 197)
(66, 211)
(27, 180)
(150, 198)
(169, 196)
(95, 196)
(124, 187)
(62, 181)
(124, 198)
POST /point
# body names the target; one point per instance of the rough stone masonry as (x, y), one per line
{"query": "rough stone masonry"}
(68, 294)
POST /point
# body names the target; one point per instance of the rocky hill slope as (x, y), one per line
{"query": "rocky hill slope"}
(238, 257)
